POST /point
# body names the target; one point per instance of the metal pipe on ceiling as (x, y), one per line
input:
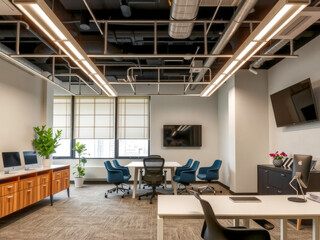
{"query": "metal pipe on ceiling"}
(238, 18)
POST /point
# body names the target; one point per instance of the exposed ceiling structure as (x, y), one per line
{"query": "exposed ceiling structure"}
(150, 46)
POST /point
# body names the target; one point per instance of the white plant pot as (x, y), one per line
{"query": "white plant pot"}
(78, 182)
(46, 163)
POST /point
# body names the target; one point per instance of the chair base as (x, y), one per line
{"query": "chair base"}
(153, 194)
(208, 188)
(117, 189)
(186, 188)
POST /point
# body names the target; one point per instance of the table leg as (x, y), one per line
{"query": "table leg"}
(173, 183)
(246, 222)
(236, 222)
(135, 182)
(140, 177)
(160, 228)
(283, 229)
(315, 228)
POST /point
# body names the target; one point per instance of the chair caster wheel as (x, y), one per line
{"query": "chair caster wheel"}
(129, 188)
(143, 187)
(106, 195)
(128, 192)
(122, 196)
(150, 202)
(163, 187)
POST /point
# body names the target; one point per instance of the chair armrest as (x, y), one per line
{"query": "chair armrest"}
(188, 176)
(180, 169)
(213, 174)
(115, 176)
(124, 170)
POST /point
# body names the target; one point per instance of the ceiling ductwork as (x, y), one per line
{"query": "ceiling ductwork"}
(238, 17)
(182, 10)
(275, 47)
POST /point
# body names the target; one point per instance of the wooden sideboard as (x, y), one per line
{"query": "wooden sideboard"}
(275, 180)
(22, 188)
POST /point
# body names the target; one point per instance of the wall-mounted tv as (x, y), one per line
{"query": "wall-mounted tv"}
(294, 105)
(182, 136)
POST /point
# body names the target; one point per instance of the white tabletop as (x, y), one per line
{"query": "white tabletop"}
(166, 164)
(273, 206)
(15, 173)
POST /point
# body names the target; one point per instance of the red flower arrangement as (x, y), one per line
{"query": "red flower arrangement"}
(277, 155)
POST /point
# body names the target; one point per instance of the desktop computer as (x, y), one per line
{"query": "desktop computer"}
(30, 159)
(11, 161)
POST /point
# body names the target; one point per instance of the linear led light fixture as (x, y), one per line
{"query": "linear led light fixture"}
(280, 15)
(42, 16)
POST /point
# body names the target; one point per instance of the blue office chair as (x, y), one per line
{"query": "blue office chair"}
(187, 176)
(209, 174)
(126, 171)
(187, 165)
(117, 177)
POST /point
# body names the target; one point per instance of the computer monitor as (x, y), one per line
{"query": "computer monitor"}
(11, 161)
(30, 159)
(300, 172)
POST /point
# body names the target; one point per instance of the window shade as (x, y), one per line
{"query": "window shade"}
(133, 118)
(62, 115)
(94, 118)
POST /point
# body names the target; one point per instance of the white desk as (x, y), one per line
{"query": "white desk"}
(139, 165)
(271, 206)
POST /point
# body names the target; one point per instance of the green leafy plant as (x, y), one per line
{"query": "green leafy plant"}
(79, 167)
(45, 143)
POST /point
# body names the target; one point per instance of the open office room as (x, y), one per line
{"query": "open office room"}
(157, 119)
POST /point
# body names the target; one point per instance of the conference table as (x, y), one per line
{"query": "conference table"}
(139, 165)
(270, 207)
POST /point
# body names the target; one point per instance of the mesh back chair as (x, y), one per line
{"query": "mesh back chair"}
(164, 185)
(153, 175)
(213, 230)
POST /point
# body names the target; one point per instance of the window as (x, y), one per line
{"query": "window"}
(62, 113)
(94, 125)
(133, 126)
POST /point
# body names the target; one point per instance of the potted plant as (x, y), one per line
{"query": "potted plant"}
(79, 167)
(45, 143)
(277, 158)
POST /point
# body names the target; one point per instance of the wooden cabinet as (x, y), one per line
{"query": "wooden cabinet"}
(28, 187)
(274, 180)
(9, 203)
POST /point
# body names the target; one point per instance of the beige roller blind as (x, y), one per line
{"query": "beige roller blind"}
(62, 115)
(133, 118)
(94, 118)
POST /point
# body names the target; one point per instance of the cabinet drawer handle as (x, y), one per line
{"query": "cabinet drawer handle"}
(29, 190)
(268, 187)
(29, 182)
(283, 175)
(10, 187)
(10, 197)
(266, 171)
(279, 191)
(44, 185)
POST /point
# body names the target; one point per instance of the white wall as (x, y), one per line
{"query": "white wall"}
(243, 129)
(303, 139)
(166, 110)
(23, 106)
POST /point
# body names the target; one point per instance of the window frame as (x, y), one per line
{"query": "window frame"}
(116, 143)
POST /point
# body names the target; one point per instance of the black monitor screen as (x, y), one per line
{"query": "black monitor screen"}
(294, 104)
(30, 158)
(11, 159)
(182, 136)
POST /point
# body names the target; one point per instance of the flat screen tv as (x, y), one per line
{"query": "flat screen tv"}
(294, 105)
(182, 136)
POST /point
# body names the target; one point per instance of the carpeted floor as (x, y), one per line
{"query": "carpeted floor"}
(87, 214)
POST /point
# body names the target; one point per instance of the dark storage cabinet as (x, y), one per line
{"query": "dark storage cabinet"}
(274, 180)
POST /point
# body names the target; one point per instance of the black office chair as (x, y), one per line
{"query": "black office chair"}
(213, 230)
(153, 175)
(164, 185)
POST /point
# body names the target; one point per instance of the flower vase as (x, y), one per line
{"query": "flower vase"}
(277, 162)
